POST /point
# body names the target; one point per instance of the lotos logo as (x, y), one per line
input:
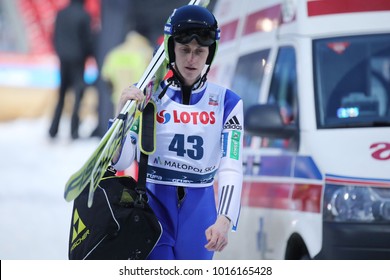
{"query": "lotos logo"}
(381, 151)
(187, 117)
(163, 117)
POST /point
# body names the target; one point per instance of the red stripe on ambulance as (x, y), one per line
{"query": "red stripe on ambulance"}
(264, 20)
(283, 196)
(229, 31)
(326, 7)
(356, 182)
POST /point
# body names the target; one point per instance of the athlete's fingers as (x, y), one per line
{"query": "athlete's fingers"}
(211, 245)
(216, 246)
(131, 93)
(216, 241)
(221, 246)
(211, 238)
(216, 234)
(221, 243)
(208, 234)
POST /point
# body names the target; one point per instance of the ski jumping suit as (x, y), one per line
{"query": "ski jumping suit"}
(195, 142)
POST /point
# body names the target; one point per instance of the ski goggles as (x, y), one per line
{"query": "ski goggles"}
(204, 37)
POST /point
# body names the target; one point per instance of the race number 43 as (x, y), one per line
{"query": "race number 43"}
(194, 143)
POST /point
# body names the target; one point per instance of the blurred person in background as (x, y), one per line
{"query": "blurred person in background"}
(73, 45)
(126, 62)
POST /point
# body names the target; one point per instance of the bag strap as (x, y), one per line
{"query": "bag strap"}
(147, 143)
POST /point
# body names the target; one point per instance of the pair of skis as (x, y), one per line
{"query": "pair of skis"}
(95, 166)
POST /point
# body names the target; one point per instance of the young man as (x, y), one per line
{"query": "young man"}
(195, 142)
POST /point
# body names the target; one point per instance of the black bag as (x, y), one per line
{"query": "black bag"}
(120, 224)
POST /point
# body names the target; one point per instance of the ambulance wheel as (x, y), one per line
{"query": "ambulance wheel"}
(296, 249)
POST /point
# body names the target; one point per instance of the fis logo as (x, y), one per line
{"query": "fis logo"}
(233, 123)
(213, 102)
(203, 117)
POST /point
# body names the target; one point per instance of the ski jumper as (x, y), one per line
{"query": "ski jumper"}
(195, 144)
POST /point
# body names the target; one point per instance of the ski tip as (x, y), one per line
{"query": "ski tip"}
(90, 202)
(67, 197)
(90, 196)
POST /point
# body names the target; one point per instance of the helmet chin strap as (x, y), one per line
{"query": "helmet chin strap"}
(178, 79)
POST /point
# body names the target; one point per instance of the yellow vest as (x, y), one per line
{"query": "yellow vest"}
(125, 64)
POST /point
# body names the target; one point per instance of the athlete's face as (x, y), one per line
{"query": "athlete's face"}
(190, 60)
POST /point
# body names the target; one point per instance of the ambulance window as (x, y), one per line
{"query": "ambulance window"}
(248, 77)
(283, 91)
(352, 81)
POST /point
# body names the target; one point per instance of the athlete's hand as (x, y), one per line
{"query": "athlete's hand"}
(130, 93)
(217, 234)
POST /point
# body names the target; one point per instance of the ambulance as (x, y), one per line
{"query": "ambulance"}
(314, 77)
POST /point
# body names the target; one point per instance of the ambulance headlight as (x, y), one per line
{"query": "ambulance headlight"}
(356, 204)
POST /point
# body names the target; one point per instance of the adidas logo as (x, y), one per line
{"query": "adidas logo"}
(233, 123)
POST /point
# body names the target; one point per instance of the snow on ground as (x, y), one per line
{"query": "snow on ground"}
(34, 217)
